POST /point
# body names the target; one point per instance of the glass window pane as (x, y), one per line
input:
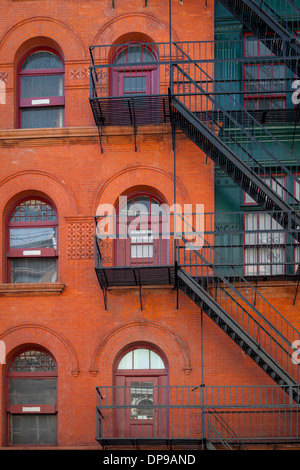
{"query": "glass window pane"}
(141, 359)
(33, 270)
(251, 48)
(34, 118)
(42, 60)
(251, 105)
(33, 429)
(250, 261)
(134, 54)
(251, 78)
(134, 84)
(265, 78)
(264, 50)
(32, 391)
(155, 361)
(33, 211)
(250, 225)
(40, 86)
(33, 361)
(142, 205)
(43, 237)
(126, 361)
(141, 400)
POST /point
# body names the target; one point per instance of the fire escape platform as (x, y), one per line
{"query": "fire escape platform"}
(162, 442)
(134, 111)
(135, 276)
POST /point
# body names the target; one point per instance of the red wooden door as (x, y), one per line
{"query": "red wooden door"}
(142, 416)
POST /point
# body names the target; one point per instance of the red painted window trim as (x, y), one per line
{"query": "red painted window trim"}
(27, 102)
(18, 252)
(17, 409)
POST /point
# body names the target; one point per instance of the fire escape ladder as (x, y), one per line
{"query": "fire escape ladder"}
(263, 19)
(231, 144)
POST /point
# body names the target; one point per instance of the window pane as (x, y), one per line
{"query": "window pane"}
(33, 211)
(156, 361)
(33, 361)
(278, 82)
(126, 361)
(134, 84)
(32, 391)
(42, 60)
(41, 86)
(251, 77)
(251, 46)
(141, 359)
(34, 118)
(250, 225)
(250, 261)
(33, 429)
(134, 54)
(43, 237)
(33, 270)
(251, 105)
(141, 400)
(265, 78)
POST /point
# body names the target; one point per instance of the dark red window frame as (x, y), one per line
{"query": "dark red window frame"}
(18, 409)
(18, 252)
(27, 102)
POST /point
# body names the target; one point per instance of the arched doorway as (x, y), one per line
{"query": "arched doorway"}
(143, 237)
(141, 378)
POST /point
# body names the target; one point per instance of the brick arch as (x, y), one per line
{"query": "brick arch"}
(144, 23)
(41, 27)
(171, 345)
(20, 336)
(37, 182)
(121, 184)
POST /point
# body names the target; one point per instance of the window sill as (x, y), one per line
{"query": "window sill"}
(32, 289)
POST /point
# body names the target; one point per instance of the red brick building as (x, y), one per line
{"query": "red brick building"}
(64, 332)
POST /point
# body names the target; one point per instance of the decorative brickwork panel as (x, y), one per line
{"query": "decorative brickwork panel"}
(80, 240)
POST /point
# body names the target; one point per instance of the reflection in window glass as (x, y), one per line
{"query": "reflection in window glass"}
(42, 237)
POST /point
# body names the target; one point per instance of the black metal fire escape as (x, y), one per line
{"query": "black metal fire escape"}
(261, 18)
(241, 312)
(204, 125)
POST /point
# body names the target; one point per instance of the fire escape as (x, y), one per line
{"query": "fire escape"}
(191, 99)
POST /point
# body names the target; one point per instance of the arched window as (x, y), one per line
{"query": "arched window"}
(32, 398)
(41, 89)
(141, 358)
(135, 71)
(32, 242)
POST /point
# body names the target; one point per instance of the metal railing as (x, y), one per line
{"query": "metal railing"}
(249, 241)
(242, 302)
(220, 414)
(256, 78)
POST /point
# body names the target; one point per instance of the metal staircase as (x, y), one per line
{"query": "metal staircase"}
(271, 19)
(241, 312)
(231, 143)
